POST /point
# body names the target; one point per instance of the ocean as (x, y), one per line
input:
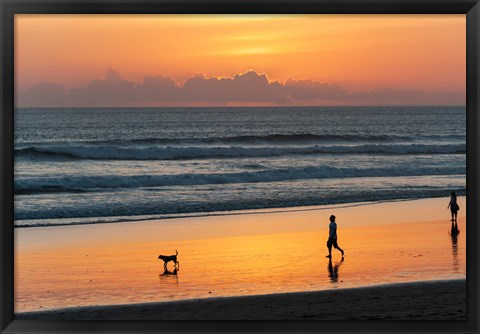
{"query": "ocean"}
(84, 166)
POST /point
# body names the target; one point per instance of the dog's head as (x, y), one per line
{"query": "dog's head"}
(162, 257)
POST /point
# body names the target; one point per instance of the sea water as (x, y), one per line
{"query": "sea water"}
(78, 166)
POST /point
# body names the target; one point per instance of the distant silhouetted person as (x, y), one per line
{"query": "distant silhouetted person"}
(453, 206)
(332, 237)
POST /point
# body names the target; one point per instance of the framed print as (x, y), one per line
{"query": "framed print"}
(200, 166)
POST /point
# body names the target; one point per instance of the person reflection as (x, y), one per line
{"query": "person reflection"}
(333, 270)
(454, 232)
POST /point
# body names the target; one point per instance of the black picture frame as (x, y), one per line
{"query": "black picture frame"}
(9, 8)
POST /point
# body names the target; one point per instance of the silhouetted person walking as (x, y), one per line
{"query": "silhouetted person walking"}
(332, 237)
(453, 206)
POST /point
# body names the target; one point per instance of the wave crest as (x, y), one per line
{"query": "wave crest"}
(202, 152)
(111, 182)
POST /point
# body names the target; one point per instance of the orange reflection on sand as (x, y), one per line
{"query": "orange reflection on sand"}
(123, 269)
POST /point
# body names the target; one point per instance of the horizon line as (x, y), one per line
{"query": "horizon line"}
(255, 106)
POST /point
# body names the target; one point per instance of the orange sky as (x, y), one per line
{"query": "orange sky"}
(356, 52)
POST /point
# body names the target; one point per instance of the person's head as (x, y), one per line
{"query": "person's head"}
(332, 218)
(453, 194)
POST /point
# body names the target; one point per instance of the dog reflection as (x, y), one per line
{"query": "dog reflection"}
(333, 270)
(169, 276)
(167, 272)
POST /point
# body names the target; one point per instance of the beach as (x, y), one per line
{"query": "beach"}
(437, 300)
(258, 258)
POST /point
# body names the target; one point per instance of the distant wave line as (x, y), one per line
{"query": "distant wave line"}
(75, 184)
(263, 139)
(91, 152)
(26, 223)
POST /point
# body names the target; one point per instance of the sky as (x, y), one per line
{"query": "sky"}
(203, 60)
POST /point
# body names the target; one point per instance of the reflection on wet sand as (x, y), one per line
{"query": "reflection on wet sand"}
(333, 270)
(454, 232)
(171, 275)
(104, 264)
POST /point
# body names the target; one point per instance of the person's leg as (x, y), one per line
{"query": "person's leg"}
(335, 244)
(456, 212)
(453, 213)
(329, 246)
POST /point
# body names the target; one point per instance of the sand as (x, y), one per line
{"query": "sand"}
(249, 254)
(437, 300)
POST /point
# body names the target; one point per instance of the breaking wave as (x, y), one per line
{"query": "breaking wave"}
(110, 182)
(105, 152)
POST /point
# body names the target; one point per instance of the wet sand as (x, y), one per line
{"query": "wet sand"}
(238, 255)
(437, 300)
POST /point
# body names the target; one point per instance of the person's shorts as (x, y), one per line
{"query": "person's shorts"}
(332, 242)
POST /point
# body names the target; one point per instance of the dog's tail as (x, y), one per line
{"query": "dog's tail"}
(176, 252)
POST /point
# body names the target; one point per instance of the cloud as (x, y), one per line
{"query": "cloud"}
(44, 94)
(249, 88)
(391, 96)
(102, 93)
(386, 94)
(313, 90)
(245, 87)
(156, 88)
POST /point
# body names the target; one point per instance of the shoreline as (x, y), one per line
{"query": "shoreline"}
(258, 211)
(425, 300)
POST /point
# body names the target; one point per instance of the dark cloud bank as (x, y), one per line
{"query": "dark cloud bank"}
(248, 88)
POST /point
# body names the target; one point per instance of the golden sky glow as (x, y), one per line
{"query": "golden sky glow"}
(356, 52)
